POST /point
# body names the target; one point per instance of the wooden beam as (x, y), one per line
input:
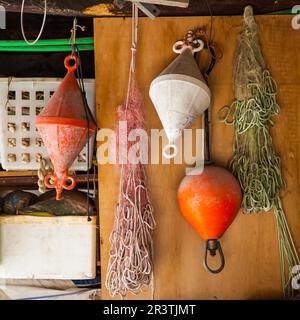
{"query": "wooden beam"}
(170, 3)
(17, 173)
(101, 8)
(62, 7)
(21, 182)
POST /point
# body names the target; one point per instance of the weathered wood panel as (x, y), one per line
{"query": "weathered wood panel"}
(250, 244)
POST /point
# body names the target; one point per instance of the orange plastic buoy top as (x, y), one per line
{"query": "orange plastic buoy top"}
(210, 201)
(63, 126)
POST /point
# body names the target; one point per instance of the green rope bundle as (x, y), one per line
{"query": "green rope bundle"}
(255, 162)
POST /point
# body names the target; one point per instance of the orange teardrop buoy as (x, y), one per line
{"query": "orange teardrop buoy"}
(63, 126)
(210, 201)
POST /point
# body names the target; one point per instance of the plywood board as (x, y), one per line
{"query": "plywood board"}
(250, 244)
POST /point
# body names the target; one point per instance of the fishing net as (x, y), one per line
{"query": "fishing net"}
(130, 263)
(255, 162)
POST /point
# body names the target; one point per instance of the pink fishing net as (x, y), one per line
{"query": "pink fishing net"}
(130, 263)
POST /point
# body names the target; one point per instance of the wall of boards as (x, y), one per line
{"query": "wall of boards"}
(250, 244)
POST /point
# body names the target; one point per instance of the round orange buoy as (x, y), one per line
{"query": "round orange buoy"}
(63, 126)
(210, 201)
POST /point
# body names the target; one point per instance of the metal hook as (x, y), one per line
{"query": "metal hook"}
(213, 245)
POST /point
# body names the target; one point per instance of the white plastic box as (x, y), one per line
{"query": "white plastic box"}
(47, 247)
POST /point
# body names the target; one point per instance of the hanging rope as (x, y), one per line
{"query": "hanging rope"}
(73, 31)
(130, 264)
(255, 162)
(134, 40)
(190, 40)
(89, 116)
(90, 119)
(31, 43)
(43, 171)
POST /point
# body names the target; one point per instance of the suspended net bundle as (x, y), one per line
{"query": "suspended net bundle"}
(255, 162)
(131, 255)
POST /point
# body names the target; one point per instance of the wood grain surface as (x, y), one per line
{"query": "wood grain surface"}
(250, 244)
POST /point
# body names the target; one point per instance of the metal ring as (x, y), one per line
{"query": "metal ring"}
(201, 46)
(169, 155)
(176, 45)
(179, 46)
(213, 245)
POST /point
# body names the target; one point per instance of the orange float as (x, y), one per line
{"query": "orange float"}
(65, 126)
(210, 201)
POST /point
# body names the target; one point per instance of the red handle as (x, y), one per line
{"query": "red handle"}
(70, 186)
(47, 180)
(55, 183)
(67, 64)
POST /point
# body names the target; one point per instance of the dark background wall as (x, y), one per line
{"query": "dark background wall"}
(48, 64)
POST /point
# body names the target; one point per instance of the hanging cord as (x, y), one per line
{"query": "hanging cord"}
(94, 181)
(208, 158)
(87, 110)
(8, 97)
(30, 43)
(89, 117)
(134, 40)
(211, 21)
(199, 33)
(73, 31)
(134, 32)
(207, 113)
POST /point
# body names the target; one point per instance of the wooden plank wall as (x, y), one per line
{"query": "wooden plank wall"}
(250, 244)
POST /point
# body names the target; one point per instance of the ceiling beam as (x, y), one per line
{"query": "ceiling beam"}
(101, 8)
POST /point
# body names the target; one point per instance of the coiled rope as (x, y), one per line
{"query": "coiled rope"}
(45, 169)
(258, 167)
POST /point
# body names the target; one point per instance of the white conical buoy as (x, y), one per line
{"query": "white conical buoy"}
(179, 94)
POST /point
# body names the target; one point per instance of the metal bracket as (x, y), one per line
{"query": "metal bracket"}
(148, 9)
